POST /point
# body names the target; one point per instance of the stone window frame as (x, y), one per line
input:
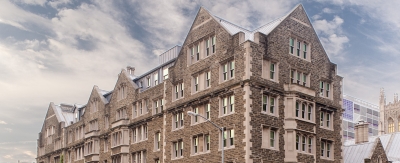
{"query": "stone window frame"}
(178, 91)
(227, 70)
(158, 105)
(156, 78)
(297, 48)
(268, 104)
(299, 110)
(121, 113)
(94, 105)
(122, 91)
(139, 133)
(302, 143)
(229, 109)
(266, 69)
(301, 78)
(139, 156)
(93, 125)
(201, 49)
(325, 89)
(105, 146)
(178, 121)
(266, 137)
(177, 149)
(148, 78)
(324, 149)
(203, 109)
(157, 141)
(199, 81)
(201, 142)
(391, 128)
(324, 113)
(230, 141)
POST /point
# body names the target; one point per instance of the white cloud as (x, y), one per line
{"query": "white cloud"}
(30, 154)
(8, 129)
(32, 2)
(2, 122)
(7, 157)
(327, 10)
(331, 34)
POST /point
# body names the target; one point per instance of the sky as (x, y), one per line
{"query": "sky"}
(56, 51)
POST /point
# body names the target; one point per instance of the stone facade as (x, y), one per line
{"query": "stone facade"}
(389, 114)
(236, 100)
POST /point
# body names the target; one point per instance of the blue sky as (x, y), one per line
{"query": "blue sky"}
(55, 51)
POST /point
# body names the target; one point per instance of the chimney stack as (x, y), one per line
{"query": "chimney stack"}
(130, 70)
(361, 131)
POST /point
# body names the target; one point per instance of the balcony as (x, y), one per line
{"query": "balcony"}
(121, 122)
(299, 88)
(120, 149)
(91, 134)
(94, 157)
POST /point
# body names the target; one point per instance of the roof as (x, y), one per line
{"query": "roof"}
(390, 142)
(64, 113)
(356, 153)
(249, 35)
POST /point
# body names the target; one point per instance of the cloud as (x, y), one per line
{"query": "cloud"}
(7, 157)
(2, 122)
(8, 129)
(32, 2)
(327, 11)
(30, 154)
(331, 35)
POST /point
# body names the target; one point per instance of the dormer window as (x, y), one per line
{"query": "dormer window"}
(301, 48)
(122, 92)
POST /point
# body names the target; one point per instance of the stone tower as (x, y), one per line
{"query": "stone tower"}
(382, 103)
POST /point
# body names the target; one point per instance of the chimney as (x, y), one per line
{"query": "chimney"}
(130, 70)
(361, 130)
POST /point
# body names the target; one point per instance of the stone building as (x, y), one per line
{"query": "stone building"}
(389, 120)
(273, 90)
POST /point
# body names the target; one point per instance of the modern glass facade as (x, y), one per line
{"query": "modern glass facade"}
(355, 111)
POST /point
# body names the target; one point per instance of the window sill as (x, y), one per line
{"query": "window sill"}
(223, 81)
(200, 153)
(158, 150)
(176, 129)
(305, 152)
(326, 158)
(200, 90)
(177, 158)
(227, 148)
(266, 113)
(326, 128)
(301, 57)
(305, 120)
(271, 148)
(140, 141)
(224, 115)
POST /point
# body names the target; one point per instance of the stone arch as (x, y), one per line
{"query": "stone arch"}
(390, 125)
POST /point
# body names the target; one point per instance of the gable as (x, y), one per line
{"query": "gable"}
(123, 80)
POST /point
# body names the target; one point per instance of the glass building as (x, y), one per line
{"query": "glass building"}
(355, 111)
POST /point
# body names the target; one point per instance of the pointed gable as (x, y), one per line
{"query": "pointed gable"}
(124, 83)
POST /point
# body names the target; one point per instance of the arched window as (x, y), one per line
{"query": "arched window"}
(390, 125)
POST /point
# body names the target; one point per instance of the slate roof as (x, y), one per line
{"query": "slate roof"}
(249, 35)
(390, 142)
(356, 153)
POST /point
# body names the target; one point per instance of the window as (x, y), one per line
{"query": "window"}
(304, 110)
(179, 88)
(139, 157)
(158, 106)
(268, 104)
(195, 144)
(157, 161)
(177, 151)
(203, 110)
(270, 138)
(197, 52)
(208, 79)
(149, 81)
(291, 45)
(207, 47)
(139, 133)
(178, 120)
(122, 91)
(298, 48)
(228, 105)
(105, 145)
(301, 48)
(207, 142)
(106, 122)
(196, 83)
(156, 79)
(121, 114)
(94, 105)
(299, 78)
(213, 44)
(272, 71)
(165, 73)
(304, 143)
(93, 125)
(157, 141)
(324, 89)
(390, 125)
(325, 119)
(228, 138)
(228, 70)
(326, 149)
